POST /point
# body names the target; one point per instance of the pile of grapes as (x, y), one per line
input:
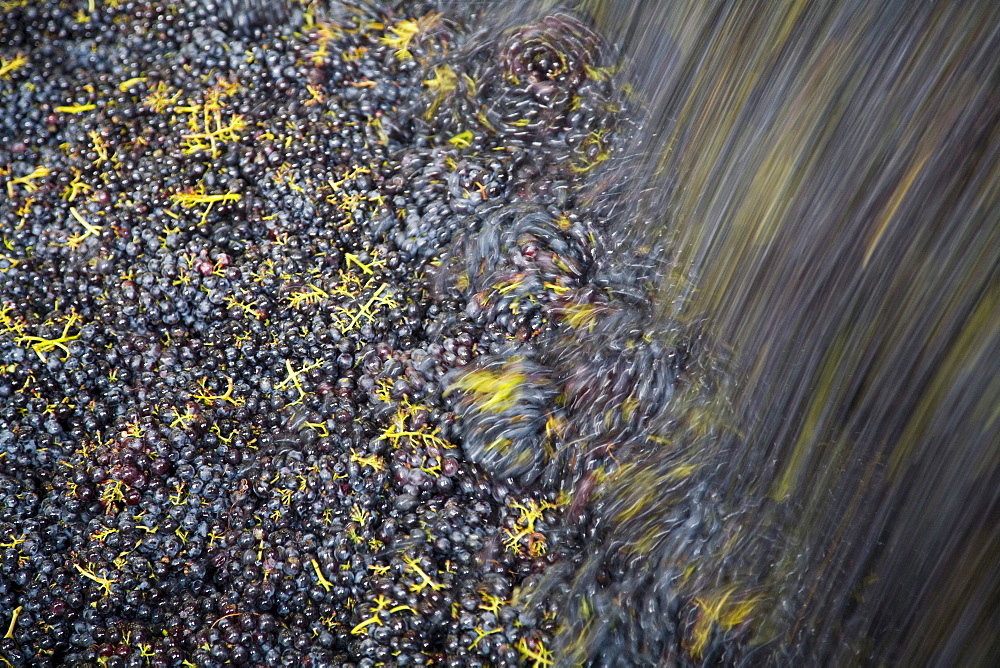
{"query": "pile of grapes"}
(319, 345)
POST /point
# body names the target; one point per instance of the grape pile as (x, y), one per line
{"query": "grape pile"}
(314, 347)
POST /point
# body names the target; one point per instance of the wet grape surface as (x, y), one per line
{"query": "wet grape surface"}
(312, 348)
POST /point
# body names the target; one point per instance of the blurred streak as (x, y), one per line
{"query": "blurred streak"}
(824, 179)
(817, 186)
(814, 188)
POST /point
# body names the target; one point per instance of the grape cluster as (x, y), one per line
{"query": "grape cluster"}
(308, 352)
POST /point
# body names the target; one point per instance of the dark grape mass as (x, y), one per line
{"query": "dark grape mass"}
(316, 345)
